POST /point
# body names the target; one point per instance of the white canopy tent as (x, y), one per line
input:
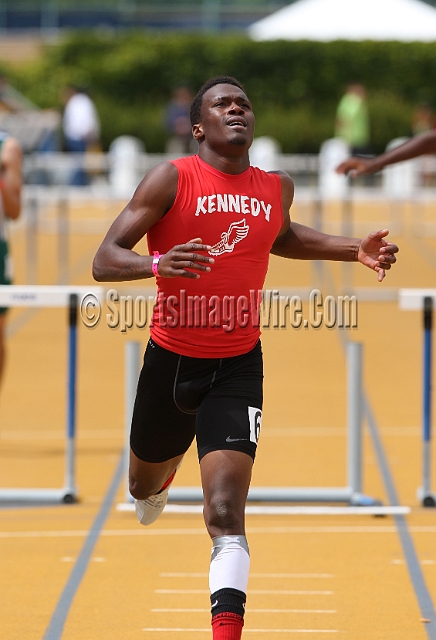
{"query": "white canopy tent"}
(325, 20)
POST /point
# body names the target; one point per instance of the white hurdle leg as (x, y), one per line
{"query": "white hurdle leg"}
(132, 356)
(354, 422)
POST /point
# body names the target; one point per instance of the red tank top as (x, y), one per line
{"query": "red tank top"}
(240, 216)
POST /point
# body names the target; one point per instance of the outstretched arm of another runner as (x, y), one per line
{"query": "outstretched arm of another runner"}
(416, 146)
(297, 241)
(115, 260)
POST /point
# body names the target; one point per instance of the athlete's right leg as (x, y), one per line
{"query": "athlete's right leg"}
(144, 478)
(161, 433)
(147, 478)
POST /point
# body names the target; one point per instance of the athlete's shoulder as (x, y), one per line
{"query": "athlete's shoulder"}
(285, 178)
(187, 162)
(162, 171)
(268, 175)
(287, 187)
(159, 185)
(278, 177)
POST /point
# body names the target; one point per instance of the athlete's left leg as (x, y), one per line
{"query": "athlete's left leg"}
(225, 476)
(227, 429)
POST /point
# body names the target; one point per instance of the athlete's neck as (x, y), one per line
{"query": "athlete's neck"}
(229, 164)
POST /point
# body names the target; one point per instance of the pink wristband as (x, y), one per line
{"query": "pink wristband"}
(155, 263)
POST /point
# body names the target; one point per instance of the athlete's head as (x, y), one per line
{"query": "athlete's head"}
(221, 114)
(198, 100)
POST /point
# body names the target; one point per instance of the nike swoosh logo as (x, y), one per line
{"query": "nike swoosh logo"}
(229, 439)
(214, 604)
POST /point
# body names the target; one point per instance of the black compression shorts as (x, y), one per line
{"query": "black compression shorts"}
(216, 400)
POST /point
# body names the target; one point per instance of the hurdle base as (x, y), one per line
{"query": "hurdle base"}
(38, 496)
(284, 494)
(427, 499)
(268, 510)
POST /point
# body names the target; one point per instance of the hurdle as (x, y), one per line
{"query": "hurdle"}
(132, 364)
(72, 298)
(358, 503)
(424, 300)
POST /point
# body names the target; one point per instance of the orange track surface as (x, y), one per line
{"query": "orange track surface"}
(315, 576)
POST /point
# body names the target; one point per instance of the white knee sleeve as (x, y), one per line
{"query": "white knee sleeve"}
(230, 563)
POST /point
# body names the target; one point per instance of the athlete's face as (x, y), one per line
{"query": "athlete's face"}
(226, 117)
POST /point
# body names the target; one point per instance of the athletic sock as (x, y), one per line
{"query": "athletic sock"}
(228, 578)
(227, 626)
(167, 482)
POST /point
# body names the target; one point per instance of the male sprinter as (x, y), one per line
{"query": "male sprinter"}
(10, 205)
(212, 220)
(417, 146)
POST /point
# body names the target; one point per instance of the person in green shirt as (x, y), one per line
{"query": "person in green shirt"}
(352, 120)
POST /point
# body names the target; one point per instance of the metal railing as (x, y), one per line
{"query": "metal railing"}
(55, 168)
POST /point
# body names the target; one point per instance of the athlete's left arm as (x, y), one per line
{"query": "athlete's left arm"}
(299, 242)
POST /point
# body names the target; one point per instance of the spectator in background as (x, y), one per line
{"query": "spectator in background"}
(81, 126)
(423, 119)
(178, 122)
(11, 159)
(352, 120)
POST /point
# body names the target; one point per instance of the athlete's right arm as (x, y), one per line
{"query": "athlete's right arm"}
(115, 260)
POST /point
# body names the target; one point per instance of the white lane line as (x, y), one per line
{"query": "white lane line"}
(252, 591)
(77, 533)
(287, 510)
(169, 629)
(179, 574)
(247, 610)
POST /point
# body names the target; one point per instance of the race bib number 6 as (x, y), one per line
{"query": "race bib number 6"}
(255, 420)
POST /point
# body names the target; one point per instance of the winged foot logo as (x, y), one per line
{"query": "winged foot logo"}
(236, 232)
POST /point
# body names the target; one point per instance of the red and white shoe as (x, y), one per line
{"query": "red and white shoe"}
(149, 510)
